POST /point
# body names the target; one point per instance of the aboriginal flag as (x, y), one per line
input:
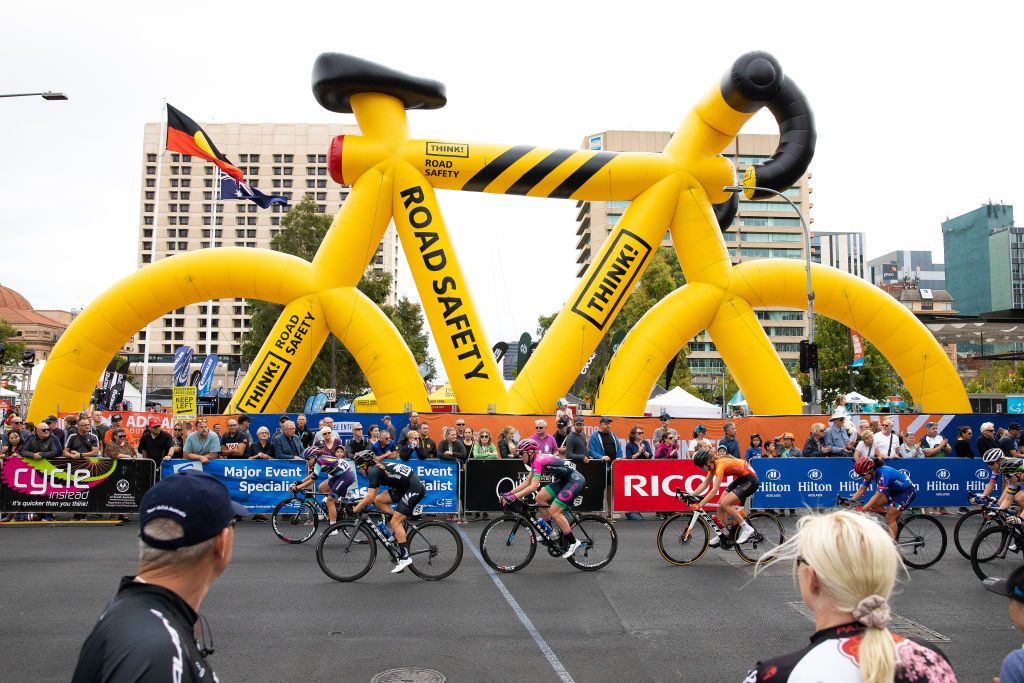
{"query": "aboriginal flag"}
(185, 136)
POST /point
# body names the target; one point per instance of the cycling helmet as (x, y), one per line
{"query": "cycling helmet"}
(527, 446)
(1010, 466)
(364, 458)
(702, 458)
(864, 465)
(993, 455)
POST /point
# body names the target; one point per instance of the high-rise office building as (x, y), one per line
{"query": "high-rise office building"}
(279, 158)
(984, 260)
(907, 266)
(842, 250)
(762, 229)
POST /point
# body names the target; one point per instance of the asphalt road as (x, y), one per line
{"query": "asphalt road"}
(275, 616)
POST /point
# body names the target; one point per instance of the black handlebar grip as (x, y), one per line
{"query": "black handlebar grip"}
(756, 80)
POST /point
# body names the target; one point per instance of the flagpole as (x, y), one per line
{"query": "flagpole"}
(213, 244)
(152, 244)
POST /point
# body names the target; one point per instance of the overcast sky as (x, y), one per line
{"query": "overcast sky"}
(918, 113)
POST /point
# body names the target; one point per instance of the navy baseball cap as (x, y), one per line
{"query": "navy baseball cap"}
(1015, 426)
(195, 500)
(1011, 587)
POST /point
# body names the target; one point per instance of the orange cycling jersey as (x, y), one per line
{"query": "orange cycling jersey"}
(734, 466)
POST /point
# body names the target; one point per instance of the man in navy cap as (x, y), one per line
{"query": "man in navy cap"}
(1013, 588)
(148, 631)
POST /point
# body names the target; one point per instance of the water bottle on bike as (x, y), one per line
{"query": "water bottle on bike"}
(384, 529)
(549, 531)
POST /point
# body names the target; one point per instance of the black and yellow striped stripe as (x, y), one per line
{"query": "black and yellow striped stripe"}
(535, 174)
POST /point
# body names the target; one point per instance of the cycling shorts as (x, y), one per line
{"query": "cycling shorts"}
(405, 502)
(340, 484)
(902, 500)
(565, 491)
(744, 487)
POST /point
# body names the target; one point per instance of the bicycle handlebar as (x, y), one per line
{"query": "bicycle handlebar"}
(756, 80)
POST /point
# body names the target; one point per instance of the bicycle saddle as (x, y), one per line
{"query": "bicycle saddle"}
(337, 77)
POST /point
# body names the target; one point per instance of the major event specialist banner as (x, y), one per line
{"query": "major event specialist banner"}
(649, 485)
(260, 485)
(96, 485)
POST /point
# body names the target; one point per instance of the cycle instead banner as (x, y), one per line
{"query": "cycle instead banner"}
(488, 479)
(93, 485)
(260, 485)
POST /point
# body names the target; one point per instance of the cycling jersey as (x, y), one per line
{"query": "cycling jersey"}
(891, 481)
(727, 466)
(331, 466)
(394, 475)
(835, 651)
(146, 633)
(551, 465)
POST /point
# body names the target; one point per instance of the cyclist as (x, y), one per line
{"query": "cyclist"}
(719, 466)
(340, 477)
(557, 496)
(405, 491)
(893, 487)
(1012, 470)
(992, 458)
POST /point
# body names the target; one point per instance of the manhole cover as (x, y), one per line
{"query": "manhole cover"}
(409, 675)
(899, 624)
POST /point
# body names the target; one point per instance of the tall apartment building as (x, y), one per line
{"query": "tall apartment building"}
(842, 250)
(762, 229)
(984, 260)
(279, 158)
(907, 266)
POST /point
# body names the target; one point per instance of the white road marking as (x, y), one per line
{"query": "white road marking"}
(549, 654)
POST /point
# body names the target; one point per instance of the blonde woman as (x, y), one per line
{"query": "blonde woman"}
(846, 567)
(507, 442)
(865, 446)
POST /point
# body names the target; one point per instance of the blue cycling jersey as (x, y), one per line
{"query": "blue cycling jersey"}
(891, 481)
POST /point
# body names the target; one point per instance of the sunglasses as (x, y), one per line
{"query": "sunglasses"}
(800, 560)
(42, 429)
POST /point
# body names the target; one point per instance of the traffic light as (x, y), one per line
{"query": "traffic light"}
(28, 358)
(808, 356)
(805, 393)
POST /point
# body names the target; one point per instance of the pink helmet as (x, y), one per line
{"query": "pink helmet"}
(527, 446)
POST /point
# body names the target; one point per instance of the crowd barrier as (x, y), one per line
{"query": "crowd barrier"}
(260, 485)
(485, 480)
(649, 485)
(90, 485)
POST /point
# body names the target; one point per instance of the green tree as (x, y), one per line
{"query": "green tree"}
(997, 378)
(875, 379)
(12, 349)
(303, 230)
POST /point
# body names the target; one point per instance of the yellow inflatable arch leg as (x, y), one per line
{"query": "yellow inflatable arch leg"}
(101, 330)
(903, 340)
(651, 344)
(378, 348)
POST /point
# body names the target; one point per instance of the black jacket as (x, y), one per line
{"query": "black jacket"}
(146, 633)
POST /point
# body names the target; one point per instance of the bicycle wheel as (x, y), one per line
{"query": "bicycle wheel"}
(967, 529)
(678, 543)
(768, 535)
(435, 548)
(348, 554)
(599, 542)
(295, 520)
(921, 540)
(996, 552)
(508, 543)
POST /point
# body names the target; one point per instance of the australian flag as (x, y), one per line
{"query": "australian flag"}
(232, 189)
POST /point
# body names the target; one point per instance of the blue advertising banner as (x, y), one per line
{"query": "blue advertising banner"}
(816, 482)
(260, 485)
(182, 359)
(343, 422)
(206, 372)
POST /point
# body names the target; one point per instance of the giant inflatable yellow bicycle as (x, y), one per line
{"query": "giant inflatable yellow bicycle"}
(394, 177)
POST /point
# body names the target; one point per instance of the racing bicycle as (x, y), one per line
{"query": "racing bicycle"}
(347, 549)
(509, 543)
(296, 519)
(999, 549)
(920, 538)
(972, 523)
(685, 536)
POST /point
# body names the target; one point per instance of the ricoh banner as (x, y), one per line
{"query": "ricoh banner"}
(649, 485)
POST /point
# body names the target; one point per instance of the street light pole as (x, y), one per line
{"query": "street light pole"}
(48, 95)
(812, 373)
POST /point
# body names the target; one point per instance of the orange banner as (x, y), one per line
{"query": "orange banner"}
(135, 423)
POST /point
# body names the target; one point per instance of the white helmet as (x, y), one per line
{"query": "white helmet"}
(993, 455)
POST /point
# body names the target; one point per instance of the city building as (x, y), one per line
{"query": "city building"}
(907, 266)
(842, 250)
(37, 330)
(289, 159)
(984, 260)
(762, 229)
